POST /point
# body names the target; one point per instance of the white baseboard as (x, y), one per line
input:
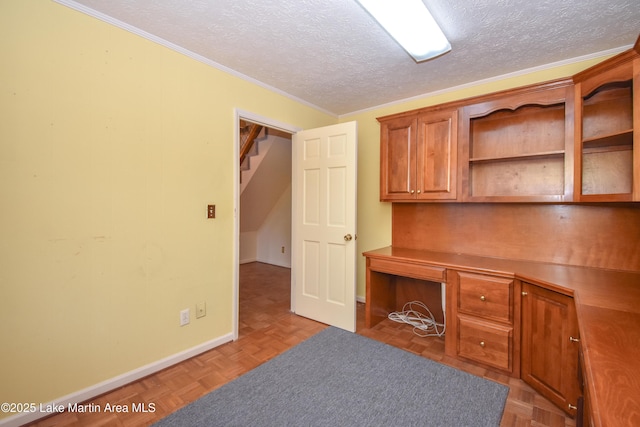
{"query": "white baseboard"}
(113, 383)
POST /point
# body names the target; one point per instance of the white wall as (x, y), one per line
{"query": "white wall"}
(248, 247)
(275, 234)
(265, 206)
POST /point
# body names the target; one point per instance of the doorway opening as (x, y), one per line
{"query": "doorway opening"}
(263, 198)
(265, 195)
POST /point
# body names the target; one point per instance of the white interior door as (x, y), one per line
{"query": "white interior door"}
(324, 225)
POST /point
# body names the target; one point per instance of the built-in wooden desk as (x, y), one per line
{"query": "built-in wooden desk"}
(607, 305)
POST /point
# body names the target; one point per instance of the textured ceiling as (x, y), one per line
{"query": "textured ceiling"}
(331, 54)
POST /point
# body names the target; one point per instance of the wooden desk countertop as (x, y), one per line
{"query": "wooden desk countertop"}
(608, 310)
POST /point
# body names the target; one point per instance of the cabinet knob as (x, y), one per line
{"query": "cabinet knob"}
(418, 191)
(412, 191)
(572, 407)
(572, 339)
(483, 298)
(524, 294)
(482, 344)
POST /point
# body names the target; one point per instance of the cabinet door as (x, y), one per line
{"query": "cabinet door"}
(437, 155)
(549, 346)
(398, 158)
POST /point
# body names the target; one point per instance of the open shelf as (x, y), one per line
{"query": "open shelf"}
(547, 154)
(617, 139)
(518, 153)
(607, 142)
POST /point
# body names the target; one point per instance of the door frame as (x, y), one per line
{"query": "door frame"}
(270, 123)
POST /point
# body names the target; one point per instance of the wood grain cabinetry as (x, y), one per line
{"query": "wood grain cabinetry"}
(487, 320)
(518, 146)
(569, 140)
(419, 156)
(607, 120)
(550, 346)
(527, 317)
(583, 417)
(393, 283)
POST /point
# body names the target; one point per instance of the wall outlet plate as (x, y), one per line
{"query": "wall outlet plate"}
(185, 317)
(201, 309)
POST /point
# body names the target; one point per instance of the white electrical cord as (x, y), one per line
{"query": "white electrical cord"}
(424, 324)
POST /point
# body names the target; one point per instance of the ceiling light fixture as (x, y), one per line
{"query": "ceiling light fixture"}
(411, 25)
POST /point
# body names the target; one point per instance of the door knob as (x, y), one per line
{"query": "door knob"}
(348, 237)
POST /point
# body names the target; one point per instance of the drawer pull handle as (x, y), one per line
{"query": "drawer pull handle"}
(483, 298)
(572, 339)
(482, 344)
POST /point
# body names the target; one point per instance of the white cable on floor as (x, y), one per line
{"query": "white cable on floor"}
(424, 324)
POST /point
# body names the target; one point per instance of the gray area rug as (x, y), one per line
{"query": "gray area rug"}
(337, 378)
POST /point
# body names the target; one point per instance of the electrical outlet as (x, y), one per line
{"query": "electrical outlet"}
(201, 310)
(185, 317)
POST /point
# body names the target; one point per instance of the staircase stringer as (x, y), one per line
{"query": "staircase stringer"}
(246, 174)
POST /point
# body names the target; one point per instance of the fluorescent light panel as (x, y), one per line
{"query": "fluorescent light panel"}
(411, 25)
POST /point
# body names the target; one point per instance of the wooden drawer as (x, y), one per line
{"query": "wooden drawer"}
(485, 342)
(407, 269)
(486, 296)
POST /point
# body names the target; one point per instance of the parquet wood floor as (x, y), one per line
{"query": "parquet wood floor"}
(266, 329)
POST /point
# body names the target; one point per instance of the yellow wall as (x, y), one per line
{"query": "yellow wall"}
(111, 146)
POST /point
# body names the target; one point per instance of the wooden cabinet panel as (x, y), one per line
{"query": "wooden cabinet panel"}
(398, 158)
(417, 271)
(583, 418)
(418, 156)
(437, 156)
(485, 342)
(486, 319)
(550, 345)
(485, 296)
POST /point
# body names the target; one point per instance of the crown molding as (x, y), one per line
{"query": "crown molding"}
(159, 40)
(519, 73)
(137, 31)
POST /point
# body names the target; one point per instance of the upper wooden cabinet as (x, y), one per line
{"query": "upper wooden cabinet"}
(517, 146)
(418, 156)
(607, 130)
(570, 140)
